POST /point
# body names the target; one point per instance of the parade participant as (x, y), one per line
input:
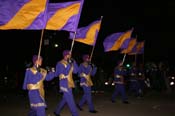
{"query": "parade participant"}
(33, 82)
(119, 74)
(133, 80)
(141, 79)
(86, 70)
(64, 70)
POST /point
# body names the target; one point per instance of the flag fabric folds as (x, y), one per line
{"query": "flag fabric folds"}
(131, 45)
(138, 48)
(22, 14)
(88, 34)
(64, 16)
(117, 41)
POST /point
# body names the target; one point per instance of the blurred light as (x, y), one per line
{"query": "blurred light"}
(172, 77)
(113, 84)
(106, 83)
(5, 78)
(171, 83)
(56, 45)
(127, 65)
(92, 91)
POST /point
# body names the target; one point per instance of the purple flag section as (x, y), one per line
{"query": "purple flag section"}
(134, 50)
(110, 40)
(131, 44)
(117, 41)
(138, 48)
(64, 16)
(141, 51)
(81, 32)
(39, 22)
(22, 14)
(125, 44)
(8, 8)
(88, 34)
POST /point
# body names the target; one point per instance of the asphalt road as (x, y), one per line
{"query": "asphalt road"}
(15, 103)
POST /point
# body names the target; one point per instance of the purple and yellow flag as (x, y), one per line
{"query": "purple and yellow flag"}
(22, 14)
(138, 48)
(131, 45)
(117, 41)
(64, 16)
(88, 34)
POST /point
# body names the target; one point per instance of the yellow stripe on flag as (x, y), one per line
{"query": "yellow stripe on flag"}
(90, 36)
(26, 15)
(121, 40)
(60, 18)
(131, 45)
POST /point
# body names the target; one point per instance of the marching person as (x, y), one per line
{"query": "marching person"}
(64, 70)
(86, 70)
(119, 74)
(141, 80)
(33, 82)
(133, 78)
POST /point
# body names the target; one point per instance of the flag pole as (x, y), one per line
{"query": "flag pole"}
(124, 58)
(73, 41)
(92, 52)
(95, 42)
(40, 45)
(41, 38)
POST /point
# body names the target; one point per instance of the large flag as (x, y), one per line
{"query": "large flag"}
(88, 34)
(138, 48)
(131, 45)
(22, 14)
(64, 16)
(117, 41)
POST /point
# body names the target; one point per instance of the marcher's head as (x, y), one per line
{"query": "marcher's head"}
(66, 54)
(86, 58)
(37, 60)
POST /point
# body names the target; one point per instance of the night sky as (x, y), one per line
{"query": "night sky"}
(152, 21)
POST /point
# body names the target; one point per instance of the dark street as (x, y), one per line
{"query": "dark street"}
(14, 103)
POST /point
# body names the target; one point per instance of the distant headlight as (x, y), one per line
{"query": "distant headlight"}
(106, 83)
(171, 83)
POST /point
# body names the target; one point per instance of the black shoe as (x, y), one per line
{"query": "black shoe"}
(93, 111)
(78, 106)
(56, 114)
(125, 102)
